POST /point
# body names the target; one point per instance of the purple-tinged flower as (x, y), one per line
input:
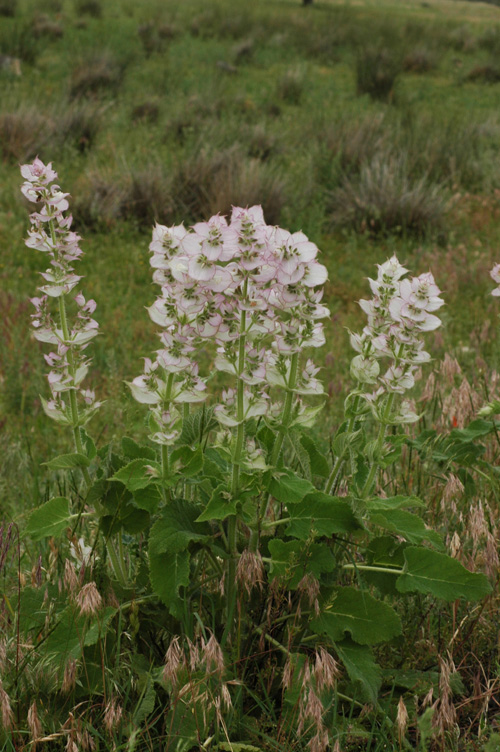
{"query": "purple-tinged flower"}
(495, 275)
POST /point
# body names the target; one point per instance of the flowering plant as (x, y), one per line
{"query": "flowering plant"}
(253, 535)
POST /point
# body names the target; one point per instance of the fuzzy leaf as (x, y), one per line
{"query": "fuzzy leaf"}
(135, 451)
(191, 460)
(393, 502)
(289, 488)
(220, 506)
(438, 574)
(168, 572)
(361, 667)
(196, 425)
(67, 461)
(177, 528)
(319, 463)
(407, 525)
(292, 560)
(146, 703)
(136, 474)
(367, 619)
(326, 515)
(49, 520)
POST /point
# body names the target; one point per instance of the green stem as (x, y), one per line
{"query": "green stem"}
(287, 409)
(283, 428)
(165, 459)
(368, 568)
(372, 475)
(116, 564)
(332, 478)
(232, 528)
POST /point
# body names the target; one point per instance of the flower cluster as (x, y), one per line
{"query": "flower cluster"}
(399, 312)
(246, 286)
(51, 234)
(495, 275)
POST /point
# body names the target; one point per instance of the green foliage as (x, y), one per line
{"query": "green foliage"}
(50, 519)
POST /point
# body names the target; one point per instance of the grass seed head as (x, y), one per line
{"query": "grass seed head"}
(6, 710)
(34, 723)
(89, 600)
(250, 570)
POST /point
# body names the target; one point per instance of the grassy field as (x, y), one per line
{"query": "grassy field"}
(371, 126)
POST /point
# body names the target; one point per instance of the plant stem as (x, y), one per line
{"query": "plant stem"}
(284, 426)
(372, 475)
(332, 478)
(232, 528)
(368, 568)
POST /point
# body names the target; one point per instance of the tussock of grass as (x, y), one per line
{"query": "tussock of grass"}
(377, 70)
(96, 75)
(383, 198)
(24, 133)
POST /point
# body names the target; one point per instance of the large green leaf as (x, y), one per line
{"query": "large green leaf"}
(220, 505)
(135, 451)
(177, 528)
(319, 463)
(387, 552)
(50, 519)
(377, 503)
(291, 560)
(427, 571)
(137, 474)
(361, 667)
(405, 524)
(323, 514)
(168, 572)
(67, 461)
(289, 488)
(367, 619)
(72, 633)
(190, 460)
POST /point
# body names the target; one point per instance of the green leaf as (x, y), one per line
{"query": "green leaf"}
(88, 443)
(177, 528)
(393, 502)
(148, 498)
(220, 506)
(196, 425)
(407, 525)
(438, 574)
(319, 463)
(50, 519)
(326, 515)
(289, 488)
(168, 572)
(146, 703)
(361, 667)
(302, 456)
(136, 474)
(292, 560)
(238, 747)
(368, 620)
(384, 551)
(134, 451)
(191, 460)
(71, 633)
(475, 430)
(67, 461)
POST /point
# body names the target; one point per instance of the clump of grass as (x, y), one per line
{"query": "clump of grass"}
(150, 38)
(290, 87)
(91, 8)
(19, 40)
(148, 197)
(490, 39)
(215, 22)
(43, 26)
(261, 144)
(377, 70)
(384, 199)
(420, 60)
(461, 39)
(23, 133)
(8, 8)
(99, 73)
(100, 199)
(147, 112)
(209, 183)
(488, 73)
(79, 123)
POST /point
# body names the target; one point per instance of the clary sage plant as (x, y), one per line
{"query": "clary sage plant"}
(260, 552)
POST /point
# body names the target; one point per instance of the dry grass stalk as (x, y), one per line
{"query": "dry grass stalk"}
(88, 600)
(6, 710)
(34, 724)
(113, 713)
(69, 678)
(250, 570)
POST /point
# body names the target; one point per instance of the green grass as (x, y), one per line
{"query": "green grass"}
(296, 128)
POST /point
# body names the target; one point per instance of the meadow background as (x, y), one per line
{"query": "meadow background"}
(374, 127)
